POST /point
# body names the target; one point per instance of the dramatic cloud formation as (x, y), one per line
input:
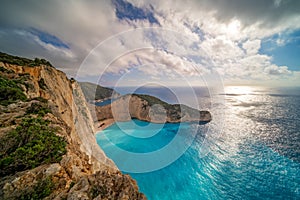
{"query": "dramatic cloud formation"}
(253, 42)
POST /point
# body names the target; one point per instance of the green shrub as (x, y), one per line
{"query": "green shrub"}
(31, 144)
(10, 92)
(41, 99)
(42, 84)
(38, 108)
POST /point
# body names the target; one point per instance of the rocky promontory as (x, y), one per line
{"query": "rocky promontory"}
(150, 109)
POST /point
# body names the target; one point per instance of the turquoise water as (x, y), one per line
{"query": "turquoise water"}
(256, 156)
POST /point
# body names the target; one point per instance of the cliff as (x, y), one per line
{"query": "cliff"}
(148, 108)
(48, 148)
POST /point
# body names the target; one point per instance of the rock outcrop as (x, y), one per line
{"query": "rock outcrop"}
(84, 171)
(148, 108)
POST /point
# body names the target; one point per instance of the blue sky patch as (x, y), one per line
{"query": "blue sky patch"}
(125, 10)
(48, 38)
(284, 49)
(195, 29)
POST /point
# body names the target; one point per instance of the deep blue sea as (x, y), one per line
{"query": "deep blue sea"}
(250, 150)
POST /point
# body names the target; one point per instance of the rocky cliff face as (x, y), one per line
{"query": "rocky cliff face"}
(148, 108)
(84, 171)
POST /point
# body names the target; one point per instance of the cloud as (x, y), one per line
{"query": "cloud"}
(220, 48)
(266, 13)
(23, 42)
(252, 46)
(277, 3)
(78, 24)
(276, 70)
(267, 17)
(157, 63)
(200, 36)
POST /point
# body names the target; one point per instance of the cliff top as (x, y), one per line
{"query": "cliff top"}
(15, 60)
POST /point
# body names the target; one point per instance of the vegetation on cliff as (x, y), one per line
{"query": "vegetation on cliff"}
(27, 140)
(15, 60)
(152, 100)
(96, 92)
(33, 141)
(41, 152)
(10, 91)
(31, 144)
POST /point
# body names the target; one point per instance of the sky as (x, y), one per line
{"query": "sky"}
(178, 42)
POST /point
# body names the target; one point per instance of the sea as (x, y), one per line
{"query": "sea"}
(250, 149)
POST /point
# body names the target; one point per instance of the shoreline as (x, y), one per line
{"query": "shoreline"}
(101, 125)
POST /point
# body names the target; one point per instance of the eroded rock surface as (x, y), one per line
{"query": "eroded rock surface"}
(84, 171)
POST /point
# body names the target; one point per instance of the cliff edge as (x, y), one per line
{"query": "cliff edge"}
(48, 149)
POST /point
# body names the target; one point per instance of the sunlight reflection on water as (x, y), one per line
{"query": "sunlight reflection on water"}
(256, 156)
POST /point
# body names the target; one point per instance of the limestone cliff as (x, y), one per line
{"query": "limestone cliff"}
(83, 171)
(148, 108)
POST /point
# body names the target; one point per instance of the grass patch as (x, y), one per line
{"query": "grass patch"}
(31, 144)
